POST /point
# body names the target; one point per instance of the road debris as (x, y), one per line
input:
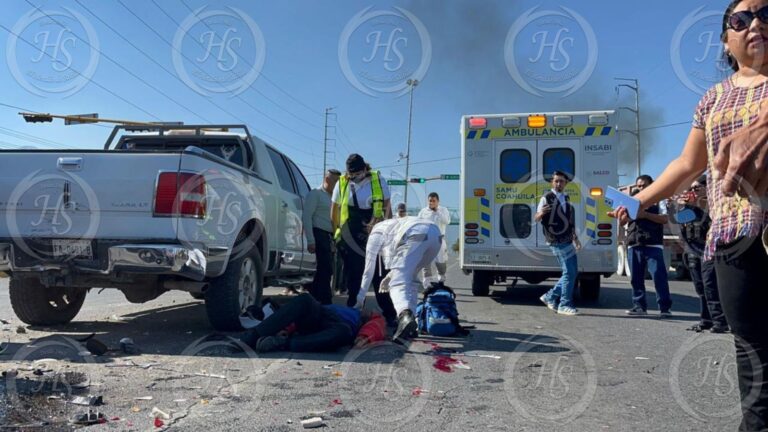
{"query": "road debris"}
(88, 418)
(159, 423)
(96, 347)
(642, 358)
(135, 409)
(158, 413)
(207, 375)
(89, 400)
(21, 330)
(128, 346)
(314, 422)
(143, 398)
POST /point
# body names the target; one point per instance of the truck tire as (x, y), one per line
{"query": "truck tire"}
(589, 287)
(621, 266)
(36, 304)
(481, 283)
(230, 294)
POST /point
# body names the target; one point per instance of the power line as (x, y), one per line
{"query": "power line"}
(118, 64)
(266, 78)
(79, 73)
(312, 139)
(31, 138)
(152, 29)
(420, 162)
(688, 122)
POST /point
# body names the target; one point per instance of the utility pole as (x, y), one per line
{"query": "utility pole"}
(636, 111)
(412, 83)
(325, 140)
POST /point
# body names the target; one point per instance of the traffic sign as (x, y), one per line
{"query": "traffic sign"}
(397, 182)
(450, 176)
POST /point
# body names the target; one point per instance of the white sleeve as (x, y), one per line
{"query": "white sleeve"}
(372, 249)
(445, 216)
(423, 214)
(542, 203)
(335, 198)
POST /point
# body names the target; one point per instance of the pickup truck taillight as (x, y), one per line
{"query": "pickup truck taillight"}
(180, 194)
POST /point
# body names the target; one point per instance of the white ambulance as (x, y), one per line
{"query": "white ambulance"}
(507, 161)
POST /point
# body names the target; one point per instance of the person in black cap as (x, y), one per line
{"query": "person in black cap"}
(401, 210)
(694, 235)
(360, 199)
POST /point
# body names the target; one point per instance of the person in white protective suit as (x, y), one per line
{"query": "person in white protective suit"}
(406, 245)
(440, 216)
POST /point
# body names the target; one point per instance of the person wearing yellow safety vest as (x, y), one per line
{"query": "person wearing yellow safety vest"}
(360, 200)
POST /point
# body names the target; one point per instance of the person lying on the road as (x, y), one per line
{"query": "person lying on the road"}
(407, 245)
(304, 325)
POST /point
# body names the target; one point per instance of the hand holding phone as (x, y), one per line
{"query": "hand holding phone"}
(615, 199)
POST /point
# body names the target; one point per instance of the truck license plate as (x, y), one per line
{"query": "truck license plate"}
(72, 248)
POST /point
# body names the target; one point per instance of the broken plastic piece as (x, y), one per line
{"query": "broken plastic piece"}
(158, 413)
(87, 400)
(314, 422)
(88, 418)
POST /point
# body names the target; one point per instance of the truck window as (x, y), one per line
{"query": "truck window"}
(515, 221)
(301, 182)
(515, 166)
(559, 159)
(283, 175)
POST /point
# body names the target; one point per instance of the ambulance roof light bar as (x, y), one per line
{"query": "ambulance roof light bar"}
(478, 123)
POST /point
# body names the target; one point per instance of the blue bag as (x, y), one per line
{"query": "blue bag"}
(437, 313)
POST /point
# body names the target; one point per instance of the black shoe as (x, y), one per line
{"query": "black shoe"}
(406, 327)
(271, 343)
(719, 329)
(636, 311)
(699, 327)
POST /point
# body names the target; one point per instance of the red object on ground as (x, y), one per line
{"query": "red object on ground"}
(416, 391)
(375, 330)
(159, 423)
(443, 363)
(336, 402)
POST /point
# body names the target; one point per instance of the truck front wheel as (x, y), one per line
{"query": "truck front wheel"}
(230, 294)
(36, 304)
(481, 283)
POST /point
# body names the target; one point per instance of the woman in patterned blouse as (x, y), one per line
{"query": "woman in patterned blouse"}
(738, 221)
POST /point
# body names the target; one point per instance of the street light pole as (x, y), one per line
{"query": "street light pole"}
(412, 83)
(636, 89)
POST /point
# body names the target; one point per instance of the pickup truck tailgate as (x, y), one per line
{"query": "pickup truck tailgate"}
(83, 195)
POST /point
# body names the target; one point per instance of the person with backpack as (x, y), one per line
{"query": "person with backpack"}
(557, 218)
(406, 245)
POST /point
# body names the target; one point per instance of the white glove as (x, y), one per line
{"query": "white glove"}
(384, 285)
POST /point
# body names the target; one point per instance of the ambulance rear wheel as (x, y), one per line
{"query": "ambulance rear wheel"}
(481, 283)
(621, 267)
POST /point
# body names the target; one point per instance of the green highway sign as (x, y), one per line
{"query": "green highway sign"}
(450, 177)
(397, 182)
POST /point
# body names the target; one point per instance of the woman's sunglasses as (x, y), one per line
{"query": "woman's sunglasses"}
(740, 21)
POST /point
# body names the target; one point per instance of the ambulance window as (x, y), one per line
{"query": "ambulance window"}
(559, 159)
(515, 166)
(516, 221)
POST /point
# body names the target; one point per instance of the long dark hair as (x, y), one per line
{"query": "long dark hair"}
(727, 57)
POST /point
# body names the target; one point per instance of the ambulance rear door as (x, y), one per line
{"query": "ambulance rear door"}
(514, 200)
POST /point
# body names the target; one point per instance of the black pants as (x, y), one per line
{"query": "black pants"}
(321, 284)
(742, 275)
(317, 327)
(354, 266)
(705, 283)
(383, 299)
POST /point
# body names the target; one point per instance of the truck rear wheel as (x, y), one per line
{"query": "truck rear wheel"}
(36, 304)
(230, 294)
(589, 287)
(481, 283)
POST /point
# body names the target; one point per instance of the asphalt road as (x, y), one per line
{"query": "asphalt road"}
(601, 371)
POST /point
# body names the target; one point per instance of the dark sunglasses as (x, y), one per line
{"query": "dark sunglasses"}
(740, 21)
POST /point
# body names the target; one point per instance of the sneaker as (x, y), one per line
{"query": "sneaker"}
(665, 314)
(636, 311)
(406, 327)
(271, 343)
(567, 310)
(699, 327)
(549, 304)
(718, 329)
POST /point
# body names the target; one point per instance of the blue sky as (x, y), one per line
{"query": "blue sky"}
(302, 74)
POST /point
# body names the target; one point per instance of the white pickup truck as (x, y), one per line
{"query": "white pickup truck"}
(200, 209)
